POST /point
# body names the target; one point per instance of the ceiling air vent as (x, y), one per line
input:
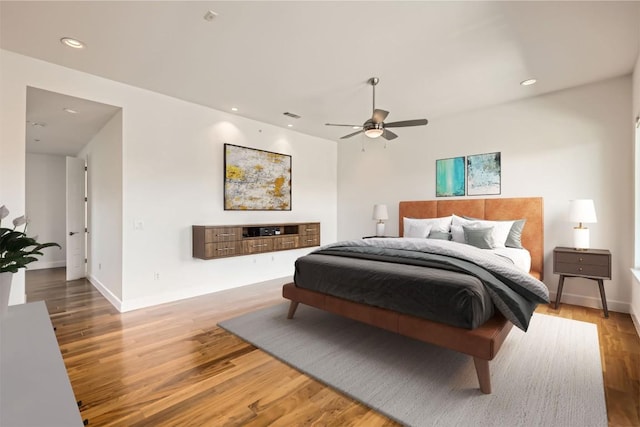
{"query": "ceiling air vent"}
(292, 115)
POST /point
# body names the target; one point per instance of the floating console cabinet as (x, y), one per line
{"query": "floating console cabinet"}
(221, 241)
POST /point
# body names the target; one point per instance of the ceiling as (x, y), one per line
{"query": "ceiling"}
(314, 58)
(61, 124)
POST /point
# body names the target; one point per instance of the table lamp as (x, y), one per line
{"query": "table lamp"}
(380, 214)
(581, 211)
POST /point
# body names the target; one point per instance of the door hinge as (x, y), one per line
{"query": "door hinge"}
(85, 260)
(85, 169)
(85, 199)
(86, 230)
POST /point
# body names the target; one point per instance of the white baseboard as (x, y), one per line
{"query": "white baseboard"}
(619, 306)
(168, 297)
(636, 322)
(114, 300)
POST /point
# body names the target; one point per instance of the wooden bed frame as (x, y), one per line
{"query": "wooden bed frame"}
(481, 343)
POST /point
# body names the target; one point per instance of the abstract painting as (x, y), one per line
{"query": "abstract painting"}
(450, 177)
(256, 180)
(483, 174)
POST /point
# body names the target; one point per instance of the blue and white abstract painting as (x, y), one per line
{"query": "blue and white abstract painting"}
(483, 174)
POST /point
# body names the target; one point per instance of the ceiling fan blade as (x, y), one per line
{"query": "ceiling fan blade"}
(379, 116)
(388, 135)
(405, 123)
(335, 124)
(352, 134)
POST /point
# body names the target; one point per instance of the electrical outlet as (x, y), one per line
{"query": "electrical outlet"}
(156, 276)
(99, 266)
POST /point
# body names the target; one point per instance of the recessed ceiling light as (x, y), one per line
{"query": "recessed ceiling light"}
(234, 109)
(290, 125)
(71, 42)
(37, 124)
(528, 82)
(70, 111)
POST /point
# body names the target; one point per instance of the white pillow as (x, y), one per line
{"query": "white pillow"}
(420, 230)
(442, 225)
(500, 228)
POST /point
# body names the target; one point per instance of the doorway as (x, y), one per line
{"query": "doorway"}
(59, 128)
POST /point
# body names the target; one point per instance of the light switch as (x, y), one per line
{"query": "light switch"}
(138, 224)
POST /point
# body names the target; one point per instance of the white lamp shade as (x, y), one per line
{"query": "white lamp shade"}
(582, 210)
(380, 213)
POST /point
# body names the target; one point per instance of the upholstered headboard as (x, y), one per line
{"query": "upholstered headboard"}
(529, 208)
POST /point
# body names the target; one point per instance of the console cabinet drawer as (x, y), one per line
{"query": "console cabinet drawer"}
(222, 234)
(309, 229)
(281, 243)
(310, 240)
(256, 246)
(222, 249)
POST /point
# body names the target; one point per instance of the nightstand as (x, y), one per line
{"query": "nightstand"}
(594, 264)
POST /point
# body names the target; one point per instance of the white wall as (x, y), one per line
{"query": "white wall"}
(172, 178)
(45, 202)
(103, 155)
(571, 144)
(635, 284)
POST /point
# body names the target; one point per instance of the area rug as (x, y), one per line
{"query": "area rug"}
(550, 376)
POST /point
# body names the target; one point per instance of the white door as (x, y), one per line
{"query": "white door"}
(75, 219)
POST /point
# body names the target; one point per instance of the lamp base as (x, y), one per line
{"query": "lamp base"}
(581, 238)
(380, 229)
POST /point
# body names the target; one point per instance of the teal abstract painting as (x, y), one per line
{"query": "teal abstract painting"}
(450, 177)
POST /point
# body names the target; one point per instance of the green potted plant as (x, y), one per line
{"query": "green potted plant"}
(16, 251)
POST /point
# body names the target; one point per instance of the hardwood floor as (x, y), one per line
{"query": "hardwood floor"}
(171, 365)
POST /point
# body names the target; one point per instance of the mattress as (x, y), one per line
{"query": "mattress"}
(450, 297)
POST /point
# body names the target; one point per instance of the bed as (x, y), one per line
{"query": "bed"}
(482, 328)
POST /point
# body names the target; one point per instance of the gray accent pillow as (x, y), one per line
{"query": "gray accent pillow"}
(514, 239)
(439, 235)
(479, 237)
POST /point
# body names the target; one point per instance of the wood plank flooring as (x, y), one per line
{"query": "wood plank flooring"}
(171, 365)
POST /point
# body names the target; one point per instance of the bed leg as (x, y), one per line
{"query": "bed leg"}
(292, 309)
(484, 376)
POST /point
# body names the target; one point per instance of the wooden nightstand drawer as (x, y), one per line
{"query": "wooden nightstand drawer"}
(578, 258)
(582, 269)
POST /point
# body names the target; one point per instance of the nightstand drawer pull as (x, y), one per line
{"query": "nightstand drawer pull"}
(579, 268)
(580, 259)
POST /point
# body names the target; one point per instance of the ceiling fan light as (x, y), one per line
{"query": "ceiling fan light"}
(373, 133)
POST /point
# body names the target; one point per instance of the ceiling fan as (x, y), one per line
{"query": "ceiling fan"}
(375, 126)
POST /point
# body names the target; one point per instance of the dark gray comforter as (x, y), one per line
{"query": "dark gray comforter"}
(438, 280)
